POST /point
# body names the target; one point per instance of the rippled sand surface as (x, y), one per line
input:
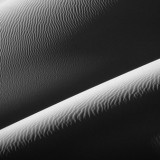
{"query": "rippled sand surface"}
(60, 62)
(103, 97)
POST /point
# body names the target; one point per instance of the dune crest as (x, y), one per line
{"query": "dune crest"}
(103, 97)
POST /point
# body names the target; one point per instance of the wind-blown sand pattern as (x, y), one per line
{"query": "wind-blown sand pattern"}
(103, 97)
(48, 48)
(34, 42)
(33, 31)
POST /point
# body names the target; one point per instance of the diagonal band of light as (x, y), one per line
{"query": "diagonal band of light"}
(102, 97)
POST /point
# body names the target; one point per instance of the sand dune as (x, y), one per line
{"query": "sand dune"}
(36, 52)
(104, 97)
(52, 50)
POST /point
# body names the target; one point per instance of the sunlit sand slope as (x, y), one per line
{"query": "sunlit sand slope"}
(104, 97)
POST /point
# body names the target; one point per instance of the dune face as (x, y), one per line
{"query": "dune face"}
(37, 58)
(104, 97)
(53, 49)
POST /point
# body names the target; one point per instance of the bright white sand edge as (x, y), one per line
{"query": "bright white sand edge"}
(102, 97)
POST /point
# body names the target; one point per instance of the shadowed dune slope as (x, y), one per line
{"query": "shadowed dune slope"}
(36, 62)
(54, 49)
(136, 120)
